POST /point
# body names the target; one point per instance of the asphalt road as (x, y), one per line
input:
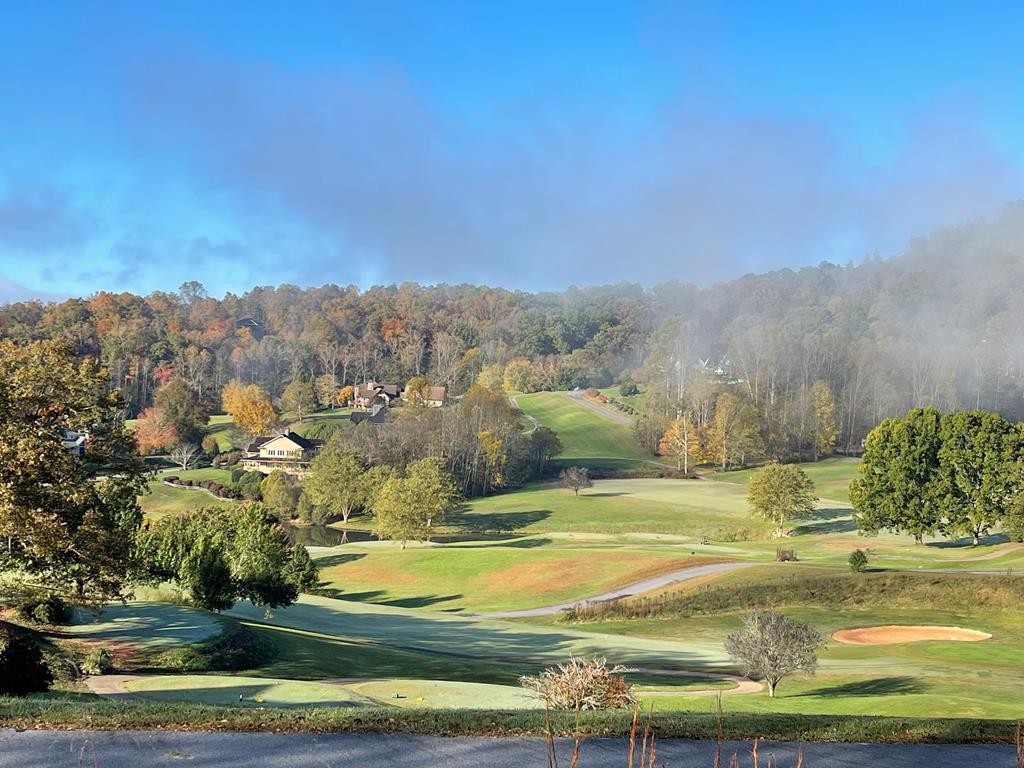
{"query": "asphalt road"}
(672, 577)
(149, 749)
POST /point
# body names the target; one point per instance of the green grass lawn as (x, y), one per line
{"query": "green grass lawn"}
(334, 417)
(489, 577)
(163, 500)
(145, 625)
(636, 401)
(587, 438)
(690, 508)
(923, 679)
(831, 476)
(220, 426)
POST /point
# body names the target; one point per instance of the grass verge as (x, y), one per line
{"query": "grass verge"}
(72, 712)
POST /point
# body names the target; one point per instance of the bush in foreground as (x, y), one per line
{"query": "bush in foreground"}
(582, 684)
(23, 669)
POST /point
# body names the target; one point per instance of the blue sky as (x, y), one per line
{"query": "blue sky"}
(531, 145)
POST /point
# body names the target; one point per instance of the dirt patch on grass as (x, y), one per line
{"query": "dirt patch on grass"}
(895, 633)
(555, 576)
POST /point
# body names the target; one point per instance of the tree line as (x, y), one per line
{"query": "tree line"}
(955, 474)
(882, 336)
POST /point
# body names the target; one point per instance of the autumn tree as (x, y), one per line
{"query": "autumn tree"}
(734, 432)
(518, 376)
(69, 522)
(575, 479)
(345, 394)
(770, 646)
(155, 431)
(682, 441)
(780, 493)
(299, 398)
(491, 377)
(326, 387)
(416, 389)
(826, 431)
(250, 407)
(183, 407)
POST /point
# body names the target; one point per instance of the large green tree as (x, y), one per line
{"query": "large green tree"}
(68, 521)
(898, 486)
(406, 508)
(221, 555)
(335, 481)
(978, 471)
(184, 409)
(780, 493)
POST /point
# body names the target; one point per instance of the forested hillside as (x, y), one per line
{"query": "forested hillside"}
(941, 325)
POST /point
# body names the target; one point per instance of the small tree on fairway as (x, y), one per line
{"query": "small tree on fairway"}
(781, 492)
(858, 561)
(185, 454)
(770, 646)
(575, 478)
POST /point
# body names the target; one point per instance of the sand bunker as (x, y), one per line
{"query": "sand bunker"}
(907, 634)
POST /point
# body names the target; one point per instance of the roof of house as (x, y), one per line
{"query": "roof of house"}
(378, 415)
(435, 393)
(304, 443)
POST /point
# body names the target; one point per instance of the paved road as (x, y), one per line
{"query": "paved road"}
(600, 410)
(158, 749)
(672, 577)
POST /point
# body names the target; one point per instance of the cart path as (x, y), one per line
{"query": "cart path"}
(655, 582)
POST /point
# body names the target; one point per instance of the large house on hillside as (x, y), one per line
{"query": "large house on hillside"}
(433, 397)
(288, 451)
(370, 394)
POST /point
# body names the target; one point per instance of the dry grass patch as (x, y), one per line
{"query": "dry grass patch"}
(552, 577)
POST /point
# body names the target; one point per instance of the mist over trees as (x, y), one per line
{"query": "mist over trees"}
(811, 359)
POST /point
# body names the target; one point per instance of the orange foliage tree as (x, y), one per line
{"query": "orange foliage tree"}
(249, 406)
(154, 431)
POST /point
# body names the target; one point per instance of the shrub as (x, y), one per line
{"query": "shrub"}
(785, 555)
(858, 561)
(173, 479)
(628, 387)
(23, 669)
(210, 446)
(582, 684)
(239, 648)
(48, 609)
(98, 662)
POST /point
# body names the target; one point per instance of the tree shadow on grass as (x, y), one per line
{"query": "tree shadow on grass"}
(880, 686)
(965, 543)
(833, 520)
(357, 597)
(497, 522)
(333, 560)
(420, 602)
(516, 543)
